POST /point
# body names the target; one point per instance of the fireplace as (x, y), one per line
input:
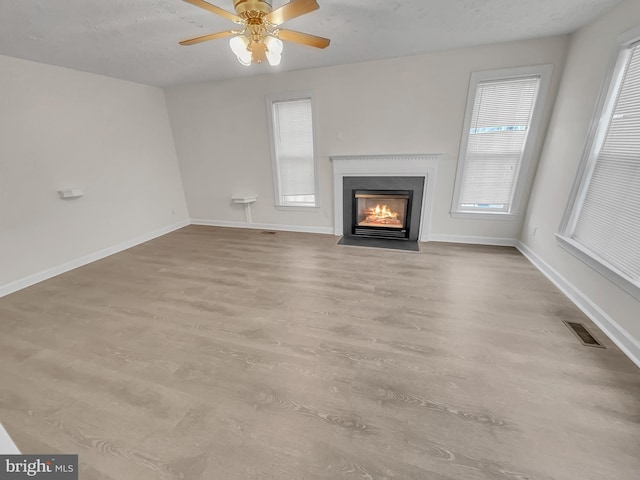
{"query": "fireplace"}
(381, 213)
(416, 173)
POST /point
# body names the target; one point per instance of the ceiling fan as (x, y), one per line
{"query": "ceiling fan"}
(260, 37)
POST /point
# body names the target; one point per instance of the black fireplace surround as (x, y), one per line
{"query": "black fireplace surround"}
(403, 227)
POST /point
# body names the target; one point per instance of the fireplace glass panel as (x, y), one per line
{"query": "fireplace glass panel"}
(381, 210)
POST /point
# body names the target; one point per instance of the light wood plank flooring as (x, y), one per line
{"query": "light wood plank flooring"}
(215, 353)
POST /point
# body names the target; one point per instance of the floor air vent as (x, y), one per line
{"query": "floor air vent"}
(268, 232)
(580, 331)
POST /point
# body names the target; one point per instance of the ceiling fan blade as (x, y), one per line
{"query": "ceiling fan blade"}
(217, 10)
(293, 9)
(211, 36)
(303, 38)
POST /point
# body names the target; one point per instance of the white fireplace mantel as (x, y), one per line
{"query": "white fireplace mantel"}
(386, 166)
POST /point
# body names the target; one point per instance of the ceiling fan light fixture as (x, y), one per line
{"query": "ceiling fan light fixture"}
(239, 45)
(274, 50)
(274, 59)
(261, 37)
(274, 44)
(245, 60)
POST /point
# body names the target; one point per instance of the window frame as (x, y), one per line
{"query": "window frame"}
(525, 171)
(598, 128)
(283, 97)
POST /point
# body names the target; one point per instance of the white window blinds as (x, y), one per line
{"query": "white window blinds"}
(608, 222)
(293, 146)
(500, 124)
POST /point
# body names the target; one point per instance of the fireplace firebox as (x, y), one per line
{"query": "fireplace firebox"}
(381, 213)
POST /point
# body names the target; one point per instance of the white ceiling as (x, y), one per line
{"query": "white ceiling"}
(138, 39)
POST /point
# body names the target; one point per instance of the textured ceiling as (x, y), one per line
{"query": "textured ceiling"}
(138, 39)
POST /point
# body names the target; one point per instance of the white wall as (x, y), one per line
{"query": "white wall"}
(62, 128)
(589, 56)
(404, 105)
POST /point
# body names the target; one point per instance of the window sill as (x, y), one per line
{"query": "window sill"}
(600, 266)
(297, 208)
(485, 215)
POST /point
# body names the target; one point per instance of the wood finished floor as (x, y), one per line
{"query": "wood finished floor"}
(215, 353)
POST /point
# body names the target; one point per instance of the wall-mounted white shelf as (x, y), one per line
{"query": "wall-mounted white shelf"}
(245, 200)
(69, 193)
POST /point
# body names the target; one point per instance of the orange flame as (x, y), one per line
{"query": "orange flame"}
(382, 215)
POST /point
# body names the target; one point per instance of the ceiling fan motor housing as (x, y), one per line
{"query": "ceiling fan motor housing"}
(244, 7)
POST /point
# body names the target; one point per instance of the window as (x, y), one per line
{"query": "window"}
(504, 110)
(291, 121)
(602, 223)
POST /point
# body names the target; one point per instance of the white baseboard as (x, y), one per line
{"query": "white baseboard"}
(623, 339)
(73, 264)
(264, 226)
(497, 241)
